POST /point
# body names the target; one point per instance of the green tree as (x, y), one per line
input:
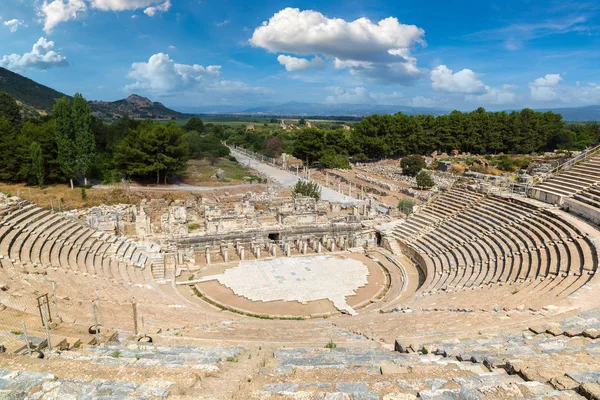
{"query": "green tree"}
(65, 138)
(309, 145)
(331, 159)
(424, 180)
(308, 188)
(37, 162)
(85, 144)
(10, 109)
(411, 165)
(194, 124)
(151, 149)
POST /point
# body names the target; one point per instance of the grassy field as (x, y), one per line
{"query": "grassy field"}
(200, 172)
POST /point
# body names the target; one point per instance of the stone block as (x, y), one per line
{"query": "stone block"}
(590, 390)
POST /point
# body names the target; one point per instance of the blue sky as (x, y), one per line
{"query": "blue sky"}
(195, 53)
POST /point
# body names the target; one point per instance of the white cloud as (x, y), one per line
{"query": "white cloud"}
(122, 5)
(545, 88)
(299, 64)
(162, 75)
(14, 24)
(42, 56)
(369, 49)
(171, 47)
(421, 101)
(223, 23)
(494, 96)
(549, 89)
(161, 8)
(58, 11)
(464, 81)
(360, 95)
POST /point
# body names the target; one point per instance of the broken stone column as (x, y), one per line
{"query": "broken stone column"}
(225, 251)
(257, 252)
(208, 255)
(319, 247)
(332, 245)
(274, 250)
(304, 247)
(288, 250)
(242, 253)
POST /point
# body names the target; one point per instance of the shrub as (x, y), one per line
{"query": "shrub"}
(424, 180)
(406, 206)
(330, 345)
(411, 165)
(310, 189)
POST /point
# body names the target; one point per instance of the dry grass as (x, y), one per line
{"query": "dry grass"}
(71, 199)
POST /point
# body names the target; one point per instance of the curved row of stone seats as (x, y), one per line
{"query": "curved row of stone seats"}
(585, 204)
(379, 374)
(15, 384)
(565, 354)
(437, 211)
(31, 237)
(574, 180)
(148, 355)
(496, 240)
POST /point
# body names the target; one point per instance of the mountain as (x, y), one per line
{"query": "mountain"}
(135, 106)
(291, 109)
(304, 109)
(578, 114)
(35, 98)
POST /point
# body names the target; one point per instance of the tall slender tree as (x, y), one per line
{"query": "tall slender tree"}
(65, 140)
(37, 162)
(85, 144)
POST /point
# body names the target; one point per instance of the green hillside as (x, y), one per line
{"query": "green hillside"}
(35, 98)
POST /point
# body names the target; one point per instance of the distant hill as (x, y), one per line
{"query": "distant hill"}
(35, 98)
(135, 106)
(574, 114)
(578, 114)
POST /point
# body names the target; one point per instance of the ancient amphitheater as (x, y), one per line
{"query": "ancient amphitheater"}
(476, 295)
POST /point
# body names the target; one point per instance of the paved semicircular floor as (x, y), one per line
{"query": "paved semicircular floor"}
(301, 279)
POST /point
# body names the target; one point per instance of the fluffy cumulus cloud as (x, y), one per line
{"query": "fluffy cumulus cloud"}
(57, 11)
(14, 24)
(464, 81)
(42, 56)
(551, 88)
(545, 88)
(367, 48)
(360, 95)
(161, 8)
(162, 76)
(299, 64)
(54, 12)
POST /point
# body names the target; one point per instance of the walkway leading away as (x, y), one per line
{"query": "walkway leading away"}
(287, 179)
